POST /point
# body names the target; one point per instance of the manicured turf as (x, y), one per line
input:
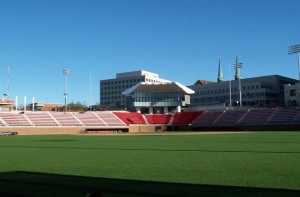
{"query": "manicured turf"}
(153, 165)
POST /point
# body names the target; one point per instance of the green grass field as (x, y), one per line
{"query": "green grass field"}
(246, 164)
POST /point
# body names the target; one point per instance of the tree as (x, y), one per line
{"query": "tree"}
(76, 107)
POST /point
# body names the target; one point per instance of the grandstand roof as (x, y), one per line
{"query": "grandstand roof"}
(158, 87)
(201, 82)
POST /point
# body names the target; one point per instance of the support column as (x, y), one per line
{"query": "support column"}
(16, 103)
(178, 108)
(24, 104)
(150, 110)
(138, 109)
(32, 103)
(166, 110)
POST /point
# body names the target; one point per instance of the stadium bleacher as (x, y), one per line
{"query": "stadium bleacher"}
(249, 117)
(110, 118)
(284, 116)
(207, 118)
(41, 119)
(121, 119)
(230, 117)
(131, 117)
(66, 119)
(89, 119)
(14, 119)
(257, 116)
(186, 117)
(158, 118)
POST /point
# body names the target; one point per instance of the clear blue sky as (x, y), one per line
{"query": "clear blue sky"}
(180, 40)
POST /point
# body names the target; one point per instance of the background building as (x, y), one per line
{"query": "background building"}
(264, 91)
(111, 89)
(6, 104)
(47, 107)
(292, 94)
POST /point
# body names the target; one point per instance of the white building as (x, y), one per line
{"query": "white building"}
(111, 89)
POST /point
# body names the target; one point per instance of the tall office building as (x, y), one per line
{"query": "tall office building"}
(111, 89)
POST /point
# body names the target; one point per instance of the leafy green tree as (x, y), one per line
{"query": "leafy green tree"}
(76, 106)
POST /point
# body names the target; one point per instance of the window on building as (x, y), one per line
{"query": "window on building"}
(292, 92)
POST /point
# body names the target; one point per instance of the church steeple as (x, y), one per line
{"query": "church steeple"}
(237, 67)
(220, 73)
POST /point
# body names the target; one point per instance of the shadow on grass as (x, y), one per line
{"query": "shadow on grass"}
(25, 184)
(151, 149)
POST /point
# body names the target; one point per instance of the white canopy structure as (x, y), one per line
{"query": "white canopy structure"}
(158, 87)
(159, 97)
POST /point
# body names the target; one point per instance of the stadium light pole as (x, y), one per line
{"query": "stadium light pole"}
(295, 49)
(239, 65)
(230, 99)
(66, 72)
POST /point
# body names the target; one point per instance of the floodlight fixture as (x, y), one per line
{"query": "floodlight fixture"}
(294, 49)
(238, 65)
(67, 72)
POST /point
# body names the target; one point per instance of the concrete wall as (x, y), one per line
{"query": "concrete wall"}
(43, 130)
(77, 130)
(146, 128)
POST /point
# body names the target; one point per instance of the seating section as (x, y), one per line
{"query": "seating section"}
(230, 117)
(158, 118)
(207, 118)
(89, 119)
(297, 118)
(284, 116)
(2, 122)
(13, 119)
(185, 117)
(249, 117)
(257, 116)
(131, 117)
(66, 119)
(110, 118)
(41, 119)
